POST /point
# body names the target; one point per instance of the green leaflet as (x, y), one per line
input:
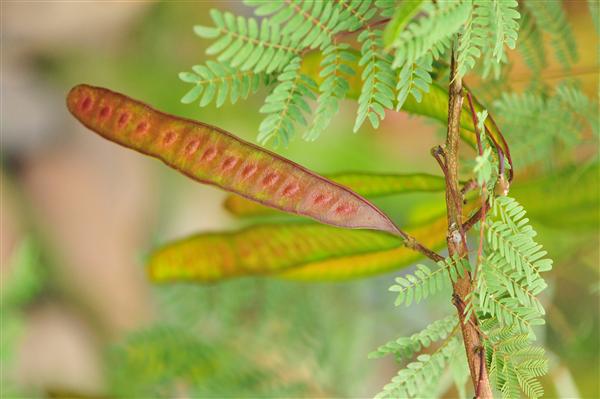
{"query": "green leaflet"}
(420, 377)
(333, 89)
(425, 282)
(414, 79)
(552, 124)
(286, 105)
(405, 11)
(379, 80)
(243, 43)
(431, 34)
(218, 82)
(513, 363)
(294, 251)
(531, 44)
(510, 278)
(406, 347)
(552, 20)
(365, 184)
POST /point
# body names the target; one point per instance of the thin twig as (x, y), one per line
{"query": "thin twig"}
(412, 243)
(470, 185)
(484, 194)
(503, 150)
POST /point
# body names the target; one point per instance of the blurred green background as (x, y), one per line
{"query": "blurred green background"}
(79, 214)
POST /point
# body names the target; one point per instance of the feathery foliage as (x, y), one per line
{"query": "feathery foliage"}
(551, 19)
(405, 347)
(334, 87)
(494, 25)
(473, 38)
(420, 375)
(414, 79)
(425, 282)
(503, 16)
(430, 34)
(506, 298)
(545, 123)
(311, 23)
(513, 363)
(250, 52)
(531, 43)
(377, 91)
(245, 45)
(220, 81)
(286, 105)
(491, 25)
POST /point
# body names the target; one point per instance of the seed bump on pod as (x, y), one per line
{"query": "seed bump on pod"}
(291, 189)
(270, 179)
(249, 170)
(192, 147)
(209, 154)
(229, 163)
(105, 112)
(123, 119)
(169, 138)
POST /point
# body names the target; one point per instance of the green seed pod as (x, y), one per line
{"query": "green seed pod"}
(211, 155)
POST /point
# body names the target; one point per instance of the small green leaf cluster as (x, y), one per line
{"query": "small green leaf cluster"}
(421, 375)
(414, 79)
(336, 68)
(416, 44)
(506, 297)
(507, 285)
(252, 52)
(513, 363)
(405, 347)
(546, 122)
(552, 20)
(425, 282)
(220, 81)
(274, 45)
(510, 279)
(491, 25)
(286, 104)
(377, 91)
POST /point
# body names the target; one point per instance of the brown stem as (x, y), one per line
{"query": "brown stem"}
(456, 237)
(468, 187)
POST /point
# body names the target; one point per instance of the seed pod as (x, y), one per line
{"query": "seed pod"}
(211, 155)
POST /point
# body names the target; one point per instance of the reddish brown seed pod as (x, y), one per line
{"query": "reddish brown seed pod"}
(211, 155)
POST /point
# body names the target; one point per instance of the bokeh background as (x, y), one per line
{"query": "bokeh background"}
(79, 215)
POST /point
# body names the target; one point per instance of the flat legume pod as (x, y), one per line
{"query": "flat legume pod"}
(211, 155)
